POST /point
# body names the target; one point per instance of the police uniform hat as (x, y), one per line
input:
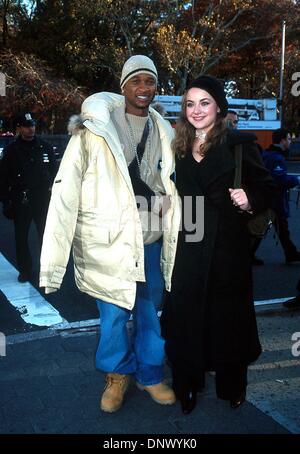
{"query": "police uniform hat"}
(25, 119)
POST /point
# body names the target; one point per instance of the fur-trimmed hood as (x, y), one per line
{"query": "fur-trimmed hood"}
(95, 112)
(75, 124)
(95, 109)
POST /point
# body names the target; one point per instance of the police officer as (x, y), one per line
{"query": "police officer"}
(232, 119)
(27, 169)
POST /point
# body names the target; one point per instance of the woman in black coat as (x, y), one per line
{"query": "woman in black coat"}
(208, 319)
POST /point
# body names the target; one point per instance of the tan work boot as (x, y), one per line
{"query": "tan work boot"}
(160, 393)
(115, 388)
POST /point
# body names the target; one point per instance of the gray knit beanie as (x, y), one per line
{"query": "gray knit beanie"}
(138, 64)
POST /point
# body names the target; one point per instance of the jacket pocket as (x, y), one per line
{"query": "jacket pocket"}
(96, 234)
(104, 236)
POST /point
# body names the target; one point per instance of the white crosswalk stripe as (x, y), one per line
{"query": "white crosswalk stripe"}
(34, 309)
(31, 305)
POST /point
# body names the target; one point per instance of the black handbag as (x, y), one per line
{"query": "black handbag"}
(258, 224)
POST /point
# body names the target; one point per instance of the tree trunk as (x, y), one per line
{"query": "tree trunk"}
(183, 82)
(4, 28)
(52, 123)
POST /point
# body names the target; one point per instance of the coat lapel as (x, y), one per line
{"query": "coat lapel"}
(218, 162)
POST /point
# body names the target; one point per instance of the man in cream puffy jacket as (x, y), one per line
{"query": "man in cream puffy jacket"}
(122, 225)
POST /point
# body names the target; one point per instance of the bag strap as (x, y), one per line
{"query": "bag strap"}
(238, 150)
(140, 149)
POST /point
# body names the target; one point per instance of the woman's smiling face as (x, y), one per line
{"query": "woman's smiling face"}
(201, 109)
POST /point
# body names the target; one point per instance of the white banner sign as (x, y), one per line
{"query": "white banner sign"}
(256, 114)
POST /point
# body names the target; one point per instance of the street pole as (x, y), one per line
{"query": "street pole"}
(282, 75)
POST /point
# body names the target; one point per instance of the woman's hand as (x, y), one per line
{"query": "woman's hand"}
(239, 199)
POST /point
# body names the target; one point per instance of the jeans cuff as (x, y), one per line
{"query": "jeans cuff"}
(149, 375)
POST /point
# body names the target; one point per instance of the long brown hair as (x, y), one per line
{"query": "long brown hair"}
(185, 133)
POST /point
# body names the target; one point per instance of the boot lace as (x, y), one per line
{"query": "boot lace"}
(119, 380)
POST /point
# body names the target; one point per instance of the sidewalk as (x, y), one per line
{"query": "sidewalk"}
(49, 385)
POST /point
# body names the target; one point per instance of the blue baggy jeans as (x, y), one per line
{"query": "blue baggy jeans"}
(143, 354)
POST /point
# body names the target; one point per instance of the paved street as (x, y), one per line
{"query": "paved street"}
(50, 386)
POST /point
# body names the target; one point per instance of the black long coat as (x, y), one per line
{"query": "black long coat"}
(26, 166)
(208, 319)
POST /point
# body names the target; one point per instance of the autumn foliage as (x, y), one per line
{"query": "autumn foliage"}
(55, 52)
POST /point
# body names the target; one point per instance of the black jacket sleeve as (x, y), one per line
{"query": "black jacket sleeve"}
(5, 174)
(257, 180)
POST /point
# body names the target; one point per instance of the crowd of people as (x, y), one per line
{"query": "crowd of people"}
(156, 223)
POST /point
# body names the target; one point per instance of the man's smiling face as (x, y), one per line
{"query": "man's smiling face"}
(139, 92)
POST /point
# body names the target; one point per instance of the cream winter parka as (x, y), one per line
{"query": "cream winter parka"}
(93, 209)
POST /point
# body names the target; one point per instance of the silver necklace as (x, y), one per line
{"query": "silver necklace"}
(200, 134)
(132, 140)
